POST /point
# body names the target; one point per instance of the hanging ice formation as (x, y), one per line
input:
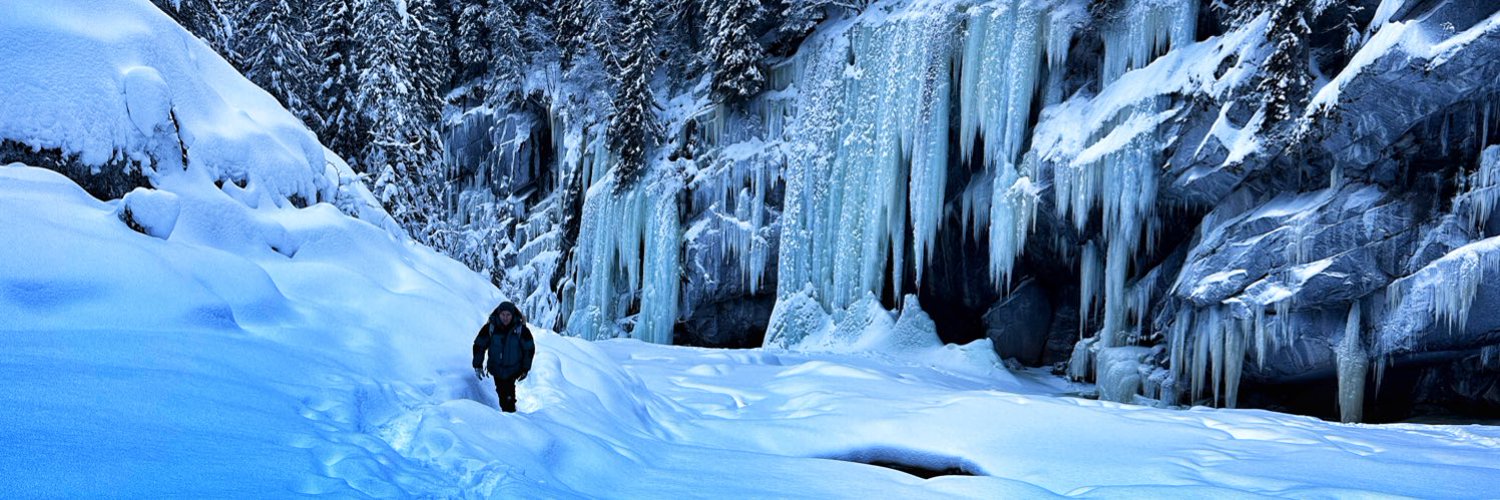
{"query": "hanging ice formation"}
(875, 106)
(736, 193)
(628, 240)
(1480, 191)
(1001, 66)
(1146, 29)
(1117, 172)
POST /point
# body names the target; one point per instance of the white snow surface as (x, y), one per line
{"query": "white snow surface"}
(209, 364)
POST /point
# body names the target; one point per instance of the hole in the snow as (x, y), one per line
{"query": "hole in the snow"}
(916, 463)
(923, 472)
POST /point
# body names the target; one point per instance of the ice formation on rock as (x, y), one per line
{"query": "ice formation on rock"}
(629, 240)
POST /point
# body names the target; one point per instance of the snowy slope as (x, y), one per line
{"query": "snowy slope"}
(184, 339)
(203, 363)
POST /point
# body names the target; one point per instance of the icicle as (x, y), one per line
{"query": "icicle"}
(1129, 197)
(1146, 29)
(1200, 354)
(1178, 354)
(1353, 364)
(1234, 359)
(1001, 63)
(623, 237)
(1216, 343)
(1091, 277)
(929, 165)
(1481, 189)
(1011, 214)
(1381, 363)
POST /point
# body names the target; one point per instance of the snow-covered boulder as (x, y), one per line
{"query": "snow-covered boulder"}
(118, 89)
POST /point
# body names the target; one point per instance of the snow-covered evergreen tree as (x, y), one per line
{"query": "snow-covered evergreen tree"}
(733, 51)
(537, 27)
(1288, 80)
(799, 16)
(427, 59)
(337, 77)
(383, 97)
(504, 43)
(472, 42)
(212, 20)
(278, 60)
(401, 70)
(585, 26)
(632, 128)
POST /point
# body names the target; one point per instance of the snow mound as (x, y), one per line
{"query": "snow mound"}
(121, 83)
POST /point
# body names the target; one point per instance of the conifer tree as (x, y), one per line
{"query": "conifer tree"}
(473, 36)
(339, 122)
(632, 129)
(505, 50)
(734, 53)
(277, 61)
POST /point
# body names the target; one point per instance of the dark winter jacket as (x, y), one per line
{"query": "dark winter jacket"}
(510, 349)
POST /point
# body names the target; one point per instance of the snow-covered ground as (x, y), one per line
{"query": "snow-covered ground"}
(338, 364)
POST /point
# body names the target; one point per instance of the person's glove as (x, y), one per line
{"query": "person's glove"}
(523, 377)
(479, 373)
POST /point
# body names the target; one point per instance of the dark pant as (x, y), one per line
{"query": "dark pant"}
(506, 389)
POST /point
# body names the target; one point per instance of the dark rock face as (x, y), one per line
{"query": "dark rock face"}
(1062, 334)
(734, 323)
(509, 154)
(1019, 324)
(1362, 123)
(956, 289)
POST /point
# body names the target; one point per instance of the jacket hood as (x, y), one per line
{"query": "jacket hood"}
(514, 312)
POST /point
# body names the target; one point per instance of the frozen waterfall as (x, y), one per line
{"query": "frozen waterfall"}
(876, 103)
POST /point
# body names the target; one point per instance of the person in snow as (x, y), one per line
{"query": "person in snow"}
(510, 347)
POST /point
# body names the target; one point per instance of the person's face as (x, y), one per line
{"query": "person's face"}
(505, 317)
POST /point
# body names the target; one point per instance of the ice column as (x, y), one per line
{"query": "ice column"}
(1118, 174)
(662, 264)
(1353, 364)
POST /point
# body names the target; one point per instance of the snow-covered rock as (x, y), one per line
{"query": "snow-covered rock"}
(118, 87)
